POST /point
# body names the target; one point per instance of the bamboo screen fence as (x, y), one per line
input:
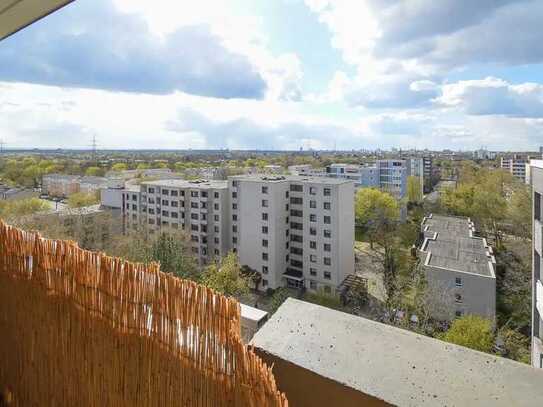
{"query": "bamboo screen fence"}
(79, 328)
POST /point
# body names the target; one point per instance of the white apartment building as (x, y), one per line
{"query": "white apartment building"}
(536, 170)
(197, 207)
(459, 268)
(516, 165)
(297, 231)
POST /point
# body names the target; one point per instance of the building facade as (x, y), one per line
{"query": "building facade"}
(516, 165)
(536, 171)
(295, 231)
(459, 268)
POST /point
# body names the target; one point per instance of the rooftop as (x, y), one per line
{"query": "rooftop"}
(537, 163)
(182, 183)
(450, 244)
(290, 178)
(392, 364)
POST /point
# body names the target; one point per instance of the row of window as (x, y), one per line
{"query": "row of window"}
(173, 192)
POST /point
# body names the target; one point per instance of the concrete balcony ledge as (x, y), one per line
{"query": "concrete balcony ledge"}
(323, 357)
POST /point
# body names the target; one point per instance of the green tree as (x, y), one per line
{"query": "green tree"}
(278, 298)
(226, 277)
(374, 210)
(519, 211)
(321, 297)
(143, 166)
(22, 207)
(94, 171)
(414, 189)
(80, 199)
(119, 167)
(171, 251)
(471, 331)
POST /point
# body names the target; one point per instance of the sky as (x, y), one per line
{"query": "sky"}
(277, 74)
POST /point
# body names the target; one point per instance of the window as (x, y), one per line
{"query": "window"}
(327, 233)
(458, 282)
(296, 226)
(151, 190)
(134, 207)
(234, 206)
(175, 204)
(312, 217)
(537, 206)
(312, 191)
(216, 218)
(326, 192)
(313, 204)
(264, 283)
(235, 183)
(296, 212)
(194, 238)
(182, 193)
(194, 194)
(265, 270)
(234, 217)
(264, 216)
(458, 313)
(312, 285)
(327, 247)
(194, 216)
(313, 231)
(296, 238)
(286, 207)
(265, 230)
(327, 220)
(312, 258)
(296, 201)
(264, 190)
(151, 211)
(194, 228)
(194, 205)
(296, 188)
(165, 192)
(216, 206)
(312, 271)
(204, 194)
(234, 195)
(216, 240)
(326, 205)
(297, 251)
(174, 193)
(203, 205)
(235, 240)
(134, 197)
(264, 203)
(216, 229)
(216, 252)
(265, 256)
(216, 195)
(327, 261)
(297, 264)
(151, 200)
(458, 298)
(165, 213)
(264, 243)
(165, 202)
(235, 228)
(312, 244)
(327, 275)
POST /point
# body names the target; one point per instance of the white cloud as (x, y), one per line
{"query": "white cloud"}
(493, 96)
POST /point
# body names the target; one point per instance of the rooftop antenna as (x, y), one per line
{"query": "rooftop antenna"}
(94, 145)
(2, 146)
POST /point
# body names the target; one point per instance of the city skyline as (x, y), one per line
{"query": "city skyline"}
(316, 74)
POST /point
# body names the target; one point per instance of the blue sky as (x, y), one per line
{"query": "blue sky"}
(279, 74)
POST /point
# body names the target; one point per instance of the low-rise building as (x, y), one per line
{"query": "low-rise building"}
(459, 268)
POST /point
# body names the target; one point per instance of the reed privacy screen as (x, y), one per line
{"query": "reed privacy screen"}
(79, 328)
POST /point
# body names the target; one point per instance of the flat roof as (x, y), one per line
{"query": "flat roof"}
(536, 163)
(183, 183)
(392, 364)
(252, 313)
(450, 244)
(290, 178)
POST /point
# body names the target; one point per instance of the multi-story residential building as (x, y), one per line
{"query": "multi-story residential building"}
(60, 185)
(459, 268)
(197, 207)
(537, 265)
(393, 177)
(516, 165)
(297, 231)
(429, 174)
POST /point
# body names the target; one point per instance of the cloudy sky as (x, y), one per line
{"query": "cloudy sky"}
(277, 74)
